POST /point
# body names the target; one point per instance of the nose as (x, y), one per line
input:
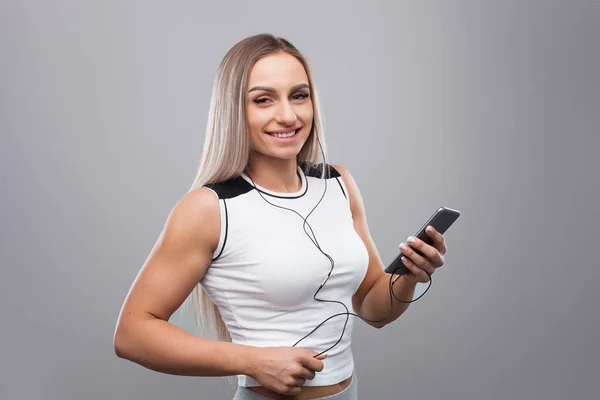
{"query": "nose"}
(286, 114)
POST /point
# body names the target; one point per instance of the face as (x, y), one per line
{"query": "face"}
(279, 104)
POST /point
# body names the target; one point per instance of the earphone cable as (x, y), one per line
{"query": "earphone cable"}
(316, 243)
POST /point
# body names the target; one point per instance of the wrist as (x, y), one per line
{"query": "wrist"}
(405, 287)
(248, 357)
(409, 280)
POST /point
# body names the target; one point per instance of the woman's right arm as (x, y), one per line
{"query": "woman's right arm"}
(178, 261)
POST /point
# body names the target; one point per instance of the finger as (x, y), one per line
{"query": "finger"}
(290, 390)
(306, 374)
(417, 258)
(297, 381)
(416, 270)
(427, 253)
(438, 239)
(292, 384)
(312, 363)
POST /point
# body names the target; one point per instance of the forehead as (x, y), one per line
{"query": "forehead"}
(277, 70)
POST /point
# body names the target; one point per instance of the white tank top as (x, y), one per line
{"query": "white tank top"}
(265, 270)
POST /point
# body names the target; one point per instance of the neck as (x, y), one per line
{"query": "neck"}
(275, 174)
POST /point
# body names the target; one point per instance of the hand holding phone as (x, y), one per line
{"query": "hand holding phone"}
(441, 220)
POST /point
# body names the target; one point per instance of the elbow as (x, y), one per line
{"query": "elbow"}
(119, 350)
(119, 343)
(378, 325)
(125, 338)
(360, 312)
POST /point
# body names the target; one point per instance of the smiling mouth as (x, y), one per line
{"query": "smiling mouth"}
(283, 134)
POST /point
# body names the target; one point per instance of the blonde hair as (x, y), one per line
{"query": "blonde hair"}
(227, 150)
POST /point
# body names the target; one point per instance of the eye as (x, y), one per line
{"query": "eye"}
(261, 100)
(300, 96)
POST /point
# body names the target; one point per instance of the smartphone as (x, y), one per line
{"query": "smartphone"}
(441, 221)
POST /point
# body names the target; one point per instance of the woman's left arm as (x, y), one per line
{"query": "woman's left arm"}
(372, 299)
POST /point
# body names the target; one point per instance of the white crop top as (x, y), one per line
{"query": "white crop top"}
(265, 270)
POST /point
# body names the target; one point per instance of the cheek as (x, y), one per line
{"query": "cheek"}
(305, 114)
(258, 119)
(255, 124)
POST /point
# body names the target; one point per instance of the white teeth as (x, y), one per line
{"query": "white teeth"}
(283, 135)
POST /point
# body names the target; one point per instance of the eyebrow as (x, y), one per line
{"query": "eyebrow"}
(270, 89)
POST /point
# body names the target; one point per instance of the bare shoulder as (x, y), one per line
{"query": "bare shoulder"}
(194, 218)
(353, 192)
(345, 174)
(191, 232)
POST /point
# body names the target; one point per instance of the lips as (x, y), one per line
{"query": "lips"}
(283, 134)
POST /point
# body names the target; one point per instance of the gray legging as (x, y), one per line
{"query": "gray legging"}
(350, 393)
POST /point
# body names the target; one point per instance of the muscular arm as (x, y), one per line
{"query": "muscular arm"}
(178, 261)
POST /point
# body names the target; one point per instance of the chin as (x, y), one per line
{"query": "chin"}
(284, 155)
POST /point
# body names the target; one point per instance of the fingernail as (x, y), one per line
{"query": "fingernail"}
(402, 246)
(411, 239)
(429, 229)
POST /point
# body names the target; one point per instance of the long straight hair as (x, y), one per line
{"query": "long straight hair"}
(227, 150)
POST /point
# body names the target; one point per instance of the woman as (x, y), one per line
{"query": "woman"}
(271, 241)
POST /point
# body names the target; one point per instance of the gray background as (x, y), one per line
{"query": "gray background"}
(491, 108)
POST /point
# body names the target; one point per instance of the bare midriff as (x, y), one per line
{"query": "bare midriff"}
(307, 393)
